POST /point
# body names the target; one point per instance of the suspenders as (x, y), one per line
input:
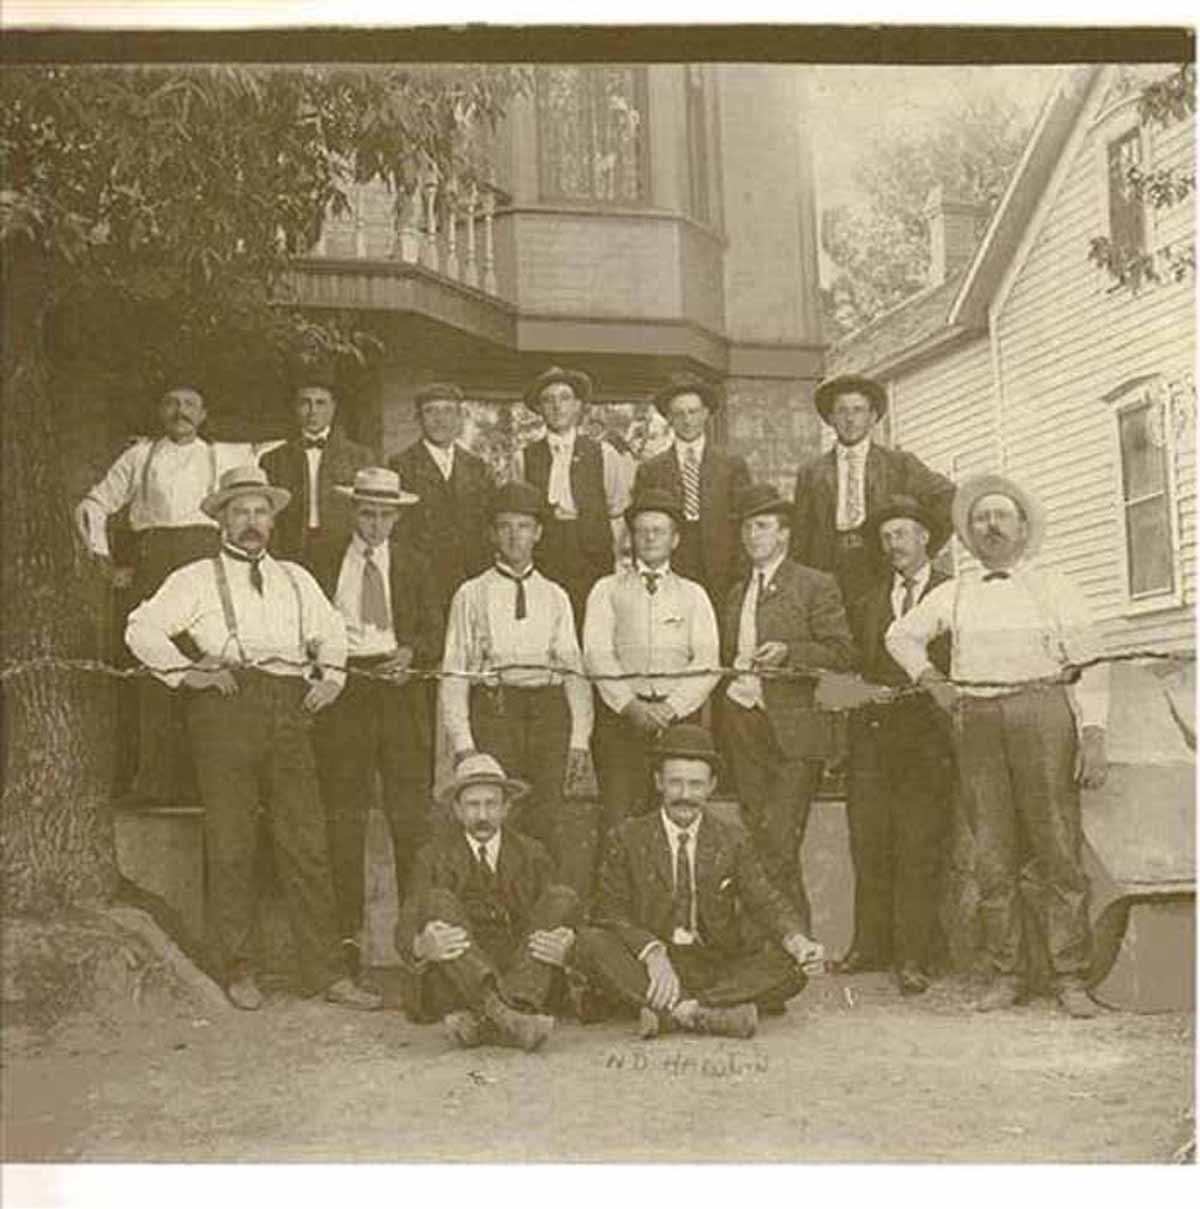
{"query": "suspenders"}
(231, 616)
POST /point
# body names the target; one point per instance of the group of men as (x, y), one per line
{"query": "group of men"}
(316, 611)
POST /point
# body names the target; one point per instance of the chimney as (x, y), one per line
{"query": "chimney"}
(953, 233)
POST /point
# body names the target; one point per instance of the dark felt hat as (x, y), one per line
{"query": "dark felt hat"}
(576, 379)
(519, 496)
(437, 390)
(828, 391)
(311, 371)
(759, 499)
(688, 384)
(655, 500)
(906, 505)
(687, 741)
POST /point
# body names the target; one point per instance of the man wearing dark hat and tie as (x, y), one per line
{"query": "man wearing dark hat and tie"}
(668, 936)
(836, 492)
(310, 466)
(781, 618)
(901, 771)
(272, 654)
(513, 684)
(586, 483)
(650, 637)
(378, 732)
(704, 478)
(486, 929)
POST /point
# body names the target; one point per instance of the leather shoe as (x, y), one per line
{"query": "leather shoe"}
(346, 994)
(1077, 1003)
(522, 1030)
(243, 993)
(912, 979)
(1003, 993)
(856, 962)
(465, 1028)
(740, 1021)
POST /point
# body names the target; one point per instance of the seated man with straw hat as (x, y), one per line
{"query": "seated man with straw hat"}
(485, 931)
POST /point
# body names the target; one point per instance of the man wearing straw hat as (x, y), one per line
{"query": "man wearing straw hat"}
(272, 653)
(379, 731)
(1027, 739)
(486, 931)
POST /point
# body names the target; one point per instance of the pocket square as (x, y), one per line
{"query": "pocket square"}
(726, 884)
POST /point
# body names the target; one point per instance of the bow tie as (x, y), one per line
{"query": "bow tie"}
(987, 579)
(314, 442)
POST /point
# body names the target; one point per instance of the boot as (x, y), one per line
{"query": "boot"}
(464, 1028)
(1076, 1002)
(522, 1030)
(243, 993)
(740, 1021)
(1004, 992)
(348, 994)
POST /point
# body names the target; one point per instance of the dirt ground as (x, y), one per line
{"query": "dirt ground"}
(851, 1072)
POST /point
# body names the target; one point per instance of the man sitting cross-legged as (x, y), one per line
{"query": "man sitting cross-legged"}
(667, 938)
(485, 930)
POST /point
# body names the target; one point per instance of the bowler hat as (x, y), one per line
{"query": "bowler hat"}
(975, 488)
(828, 391)
(687, 384)
(654, 499)
(244, 480)
(481, 769)
(437, 390)
(759, 499)
(906, 505)
(576, 379)
(519, 496)
(377, 485)
(686, 741)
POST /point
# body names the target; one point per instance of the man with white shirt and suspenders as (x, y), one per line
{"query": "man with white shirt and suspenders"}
(272, 654)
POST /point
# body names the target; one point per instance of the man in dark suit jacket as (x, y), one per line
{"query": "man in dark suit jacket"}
(450, 524)
(309, 466)
(902, 776)
(784, 617)
(704, 479)
(380, 725)
(836, 492)
(485, 931)
(668, 937)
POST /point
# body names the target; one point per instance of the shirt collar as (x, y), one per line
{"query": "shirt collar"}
(234, 555)
(920, 579)
(640, 568)
(323, 435)
(443, 456)
(853, 451)
(378, 553)
(698, 445)
(562, 440)
(504, 569)
(769, 571)
(491, 847)
(674, 831)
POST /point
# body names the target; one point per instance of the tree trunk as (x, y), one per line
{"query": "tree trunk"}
(55, 825)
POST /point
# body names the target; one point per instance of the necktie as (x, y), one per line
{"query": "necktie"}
(373, 608)
(650, 579)
(256, 575)
(558, 489)
(485, 870)
(519, 580)
(910, 596)
(691, 485)
(987, 579)
(854, 489)
(314, 442)
(681, 905)
(762, 588)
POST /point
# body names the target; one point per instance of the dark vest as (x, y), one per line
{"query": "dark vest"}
(587, 486)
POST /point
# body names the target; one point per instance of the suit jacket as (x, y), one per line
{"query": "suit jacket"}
(802, 608)
(888, 472)
(287, 467)
(722, 476)
(417, 616)
(636, 890)
(877, 665)
(449, 525)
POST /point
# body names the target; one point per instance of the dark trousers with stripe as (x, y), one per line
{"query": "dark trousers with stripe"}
(253, 752)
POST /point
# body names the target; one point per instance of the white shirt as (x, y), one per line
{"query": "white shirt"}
(628, 630)
(443, 457)
(313, 457)
(746, 690)
(163, 483)
(1026, 627)
(851, 511)
(483, 633)
(900, 588)
(619, 471)
(363, 639)
(491, 848)
(270, 626)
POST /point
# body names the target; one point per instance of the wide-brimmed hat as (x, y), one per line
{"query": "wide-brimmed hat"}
(686, 741)
(655, 499)
(481, 769)
(377, 485)
(759, 499)
(244, 480)
(519, 496)
(907, 505)
(687, 384)
(846, 384)
(975, 488)
(308, 371)
(576, 379)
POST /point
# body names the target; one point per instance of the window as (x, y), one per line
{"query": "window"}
(696, 84)
(1144, 416)
(592, 134)
(1126, 215)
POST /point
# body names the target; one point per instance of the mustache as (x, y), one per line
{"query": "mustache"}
(251, 533)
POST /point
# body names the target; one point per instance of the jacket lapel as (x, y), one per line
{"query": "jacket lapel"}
(660, 854)
(876, 485)
(707, 849)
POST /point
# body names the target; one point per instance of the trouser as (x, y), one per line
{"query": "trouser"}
(163, 763)
(375, 733)
(497, 960)
(624, 766)
(1016, 761)
(899, 795)
(765, 975)
(563, 558)
(855, 571)
(254, 748)
(775, 788)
